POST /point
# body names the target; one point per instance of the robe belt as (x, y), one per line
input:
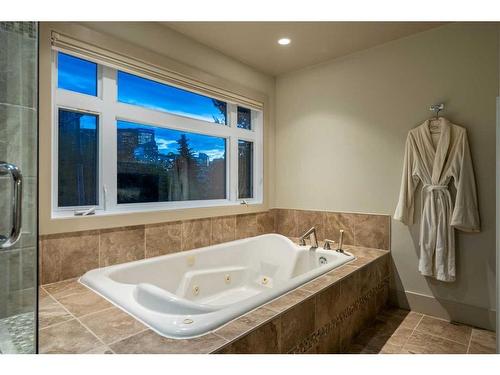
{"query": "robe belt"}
(429, 189)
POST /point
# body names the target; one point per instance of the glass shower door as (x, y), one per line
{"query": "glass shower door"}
(18, 186)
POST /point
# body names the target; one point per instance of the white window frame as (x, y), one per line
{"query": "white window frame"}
(109, 111)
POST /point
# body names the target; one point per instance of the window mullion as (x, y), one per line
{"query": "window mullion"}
(108, 160)
(233, 153)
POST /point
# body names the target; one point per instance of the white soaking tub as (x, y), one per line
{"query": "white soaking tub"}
(191, 293)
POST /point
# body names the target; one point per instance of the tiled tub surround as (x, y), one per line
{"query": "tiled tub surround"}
(321, 316)
(69, 255)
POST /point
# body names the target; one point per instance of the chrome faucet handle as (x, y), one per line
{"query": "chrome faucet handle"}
(311, 233)
(326, 245)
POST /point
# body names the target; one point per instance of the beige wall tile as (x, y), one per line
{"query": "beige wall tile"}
(163, 238)
(223, 229)
(335, 221)
(264, 340)
(350, 290)
(327, 305)
(50, 262)
(297, 323)
(347, 330)
(121, 245)
(196, 233)
(287, 223)
(367, 278)
(329, 343)
(266, 222)
(372, 231)
(308, 219)
(246, 226)
(65, 256)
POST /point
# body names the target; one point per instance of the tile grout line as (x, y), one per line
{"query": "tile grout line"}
(129, 336)
(71, 316)
(90, 330)
(412, 332)
(470, 341)
(78, 320)
(442, 337)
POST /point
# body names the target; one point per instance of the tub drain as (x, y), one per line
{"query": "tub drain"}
(188, 321)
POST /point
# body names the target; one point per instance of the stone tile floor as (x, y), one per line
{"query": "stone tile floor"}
(397, 331)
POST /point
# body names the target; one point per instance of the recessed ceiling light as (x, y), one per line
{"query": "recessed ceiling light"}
(284, 41)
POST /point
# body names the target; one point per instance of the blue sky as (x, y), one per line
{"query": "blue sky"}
(154, 95)
(76, 74)
(80, 75)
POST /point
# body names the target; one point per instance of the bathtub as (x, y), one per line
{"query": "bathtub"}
(191, 293)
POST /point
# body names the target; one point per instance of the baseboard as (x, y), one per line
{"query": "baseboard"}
(445, 309)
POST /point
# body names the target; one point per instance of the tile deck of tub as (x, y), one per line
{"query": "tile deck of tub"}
(73, 319)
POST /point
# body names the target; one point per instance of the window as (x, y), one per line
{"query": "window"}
(77, 75)
(244, 118)
(245, 169)
(162, 165)
(77, 162)
(135, 144)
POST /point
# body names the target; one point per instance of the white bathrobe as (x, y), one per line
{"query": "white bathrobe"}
(434, 162)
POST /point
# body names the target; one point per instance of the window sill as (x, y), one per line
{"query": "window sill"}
(147, 208)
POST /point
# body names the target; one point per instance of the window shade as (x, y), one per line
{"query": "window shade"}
(132, 65)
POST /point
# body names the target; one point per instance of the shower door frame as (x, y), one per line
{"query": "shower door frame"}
(17, 164)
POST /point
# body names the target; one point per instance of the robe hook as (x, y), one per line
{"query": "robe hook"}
(437, 108)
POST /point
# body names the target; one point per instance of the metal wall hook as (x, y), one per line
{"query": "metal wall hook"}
(436, 108)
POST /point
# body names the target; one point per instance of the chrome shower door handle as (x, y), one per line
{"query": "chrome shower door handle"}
(16, 203)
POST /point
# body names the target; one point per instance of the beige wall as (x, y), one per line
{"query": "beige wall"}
(340, 135)
(168, 49)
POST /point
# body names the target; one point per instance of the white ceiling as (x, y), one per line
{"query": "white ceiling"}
(255, 43)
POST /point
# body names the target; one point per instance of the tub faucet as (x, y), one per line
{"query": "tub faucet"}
(311, 233)
(327, 244)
